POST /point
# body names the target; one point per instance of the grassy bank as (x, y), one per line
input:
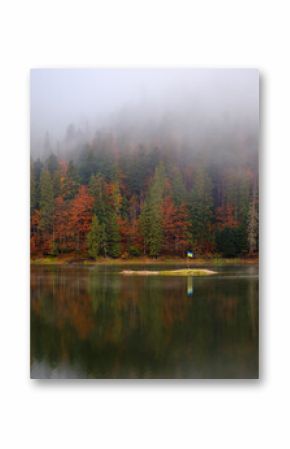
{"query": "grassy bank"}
(143, 261)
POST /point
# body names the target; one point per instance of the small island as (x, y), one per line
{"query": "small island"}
(181, 272)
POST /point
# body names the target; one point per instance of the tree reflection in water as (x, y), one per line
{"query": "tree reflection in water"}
(93, 323)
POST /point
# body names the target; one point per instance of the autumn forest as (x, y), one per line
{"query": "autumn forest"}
(111, 198)
(144, 223)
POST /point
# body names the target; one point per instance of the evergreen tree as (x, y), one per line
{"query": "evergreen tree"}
(112, 235)
(106, 207)
(145, 224)
(36, 168)
(253, 227)
(178, 187)
(97, 190)
(52, 163)
(56, 181)
(87, 165)
(151, 216)
(46, 201)
(244, 197)
(71, 182)
(201, 212)
(94, 238)
(229, 242)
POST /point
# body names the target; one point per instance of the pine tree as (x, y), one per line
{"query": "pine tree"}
(46, 201)
(35, 173)
(151, 216)
(178, 187)
(71, 182)
(244, 181)
(107, 202)
(229, 241)
(52, 163)
(201, 206)
(94, 238)
(87, 164)
(113, 235)
(145, 225)
(97, 191)
(56, 182)
(253, 226)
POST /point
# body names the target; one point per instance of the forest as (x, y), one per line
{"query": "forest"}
(113, 197)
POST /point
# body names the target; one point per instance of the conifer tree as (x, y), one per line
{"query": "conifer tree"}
(35, 173)
(151, 216)
(113, 235)
(201, 205)
(52, 163)
(94, 238)
(178, 187)
(145, 225)
(71, 182)
(106, 207)
(46, 201)
(253, 226)
(97, 191)
(56, 182)
(87, 164)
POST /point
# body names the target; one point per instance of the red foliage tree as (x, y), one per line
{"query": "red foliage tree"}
(35, 241)
(81, 212)
(41, 242)
(63, 232)
(175, 227)
(225, 217)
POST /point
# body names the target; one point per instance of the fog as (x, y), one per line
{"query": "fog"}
(193, 109)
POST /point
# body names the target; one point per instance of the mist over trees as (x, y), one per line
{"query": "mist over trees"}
(176, 171)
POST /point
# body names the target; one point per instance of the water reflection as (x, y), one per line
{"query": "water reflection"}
(94, 323)
(189, 286)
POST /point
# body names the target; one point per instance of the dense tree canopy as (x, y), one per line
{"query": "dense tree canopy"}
(109, 200)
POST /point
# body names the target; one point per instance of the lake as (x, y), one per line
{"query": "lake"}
(93, 322)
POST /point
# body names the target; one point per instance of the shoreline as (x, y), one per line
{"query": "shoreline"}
(144, 261)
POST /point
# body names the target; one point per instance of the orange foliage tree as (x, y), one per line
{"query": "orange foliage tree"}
(175, 227)
(81, 213)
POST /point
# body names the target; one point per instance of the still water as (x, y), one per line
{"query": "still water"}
(93, 322)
